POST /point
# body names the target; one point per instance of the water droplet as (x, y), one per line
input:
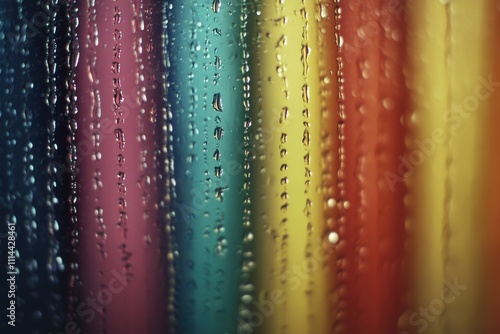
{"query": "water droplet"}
(217, 102)
(388, 103)
(216, 5)
(217, 155)
(218, 133)
(218, 171)
(333, 237)
(283, 138)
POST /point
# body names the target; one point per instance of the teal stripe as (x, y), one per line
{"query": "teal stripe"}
(205, 98)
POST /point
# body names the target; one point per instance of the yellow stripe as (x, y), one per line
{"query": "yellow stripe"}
(287, 201)
(428, 89)
(468, 62)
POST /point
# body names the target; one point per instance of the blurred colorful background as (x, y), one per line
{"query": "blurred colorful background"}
(251, 166)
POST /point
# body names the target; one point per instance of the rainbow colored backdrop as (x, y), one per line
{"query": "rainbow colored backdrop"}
(250, 166)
